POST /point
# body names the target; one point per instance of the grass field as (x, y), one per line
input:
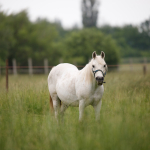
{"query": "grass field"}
(26, 122)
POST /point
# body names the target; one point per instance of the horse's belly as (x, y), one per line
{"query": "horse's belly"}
(66, 91)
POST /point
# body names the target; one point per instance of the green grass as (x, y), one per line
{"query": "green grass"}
(26, 122)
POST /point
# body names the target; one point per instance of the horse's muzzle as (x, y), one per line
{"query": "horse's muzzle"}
(99, 80)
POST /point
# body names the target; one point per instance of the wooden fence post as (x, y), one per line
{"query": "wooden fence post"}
(0, 70)
(7, 75)
(61, 60)
(14, 67)
(30, 66)
(131, 64)
(144, 67)
(46, 66)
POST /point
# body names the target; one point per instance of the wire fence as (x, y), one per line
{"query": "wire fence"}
(6, 70)
(46, 69)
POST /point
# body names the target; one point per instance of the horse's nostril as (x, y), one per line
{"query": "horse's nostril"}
(99, 78)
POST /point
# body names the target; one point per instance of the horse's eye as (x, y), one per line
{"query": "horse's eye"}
(104, 65)
(93, 66)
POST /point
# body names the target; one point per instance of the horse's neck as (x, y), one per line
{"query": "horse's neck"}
(87, 74)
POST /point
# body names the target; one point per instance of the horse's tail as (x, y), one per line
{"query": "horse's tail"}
(51, 104)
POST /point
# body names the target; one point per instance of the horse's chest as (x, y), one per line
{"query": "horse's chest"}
(91, 96)
(96, 96)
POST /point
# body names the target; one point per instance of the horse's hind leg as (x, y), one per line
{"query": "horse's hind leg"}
(56, 105)
(62, 109)
(51, 104)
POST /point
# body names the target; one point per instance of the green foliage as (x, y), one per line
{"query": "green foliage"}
(20, 39)
(26, 122)
(6, 37)
(78, 46)
(133, 41)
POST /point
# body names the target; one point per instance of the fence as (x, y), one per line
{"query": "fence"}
(14, 69)
(30, 69)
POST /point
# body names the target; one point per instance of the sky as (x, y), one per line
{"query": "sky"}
(113, 12)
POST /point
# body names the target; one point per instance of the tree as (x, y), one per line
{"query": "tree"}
(89, 12)
(6, 38)
(133, 41)
(79, 45)
(145, 27)
(20, 39)
(43, 36)
(21, 27)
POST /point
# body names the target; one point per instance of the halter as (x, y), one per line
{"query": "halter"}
(94, 72)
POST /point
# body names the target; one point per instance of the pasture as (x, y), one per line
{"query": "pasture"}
(26, 122)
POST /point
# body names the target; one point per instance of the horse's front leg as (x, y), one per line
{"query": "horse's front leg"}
(81, 109)
(97, 109)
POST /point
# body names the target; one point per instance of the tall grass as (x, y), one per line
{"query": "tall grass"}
(26, 122)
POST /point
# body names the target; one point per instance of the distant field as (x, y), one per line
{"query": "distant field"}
(26, 122)
(136, 68)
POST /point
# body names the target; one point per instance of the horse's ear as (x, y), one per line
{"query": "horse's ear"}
(94, 55)
(102, 54)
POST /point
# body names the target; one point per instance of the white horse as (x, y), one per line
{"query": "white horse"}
(69, 86)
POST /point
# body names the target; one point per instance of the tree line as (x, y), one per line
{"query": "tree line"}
(22, 39)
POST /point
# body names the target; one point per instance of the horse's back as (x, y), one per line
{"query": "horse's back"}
(60, 69)
(58, 72)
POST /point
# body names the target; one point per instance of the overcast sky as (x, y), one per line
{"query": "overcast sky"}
(113, 12)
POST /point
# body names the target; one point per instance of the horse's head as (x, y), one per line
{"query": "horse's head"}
(98, 67)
